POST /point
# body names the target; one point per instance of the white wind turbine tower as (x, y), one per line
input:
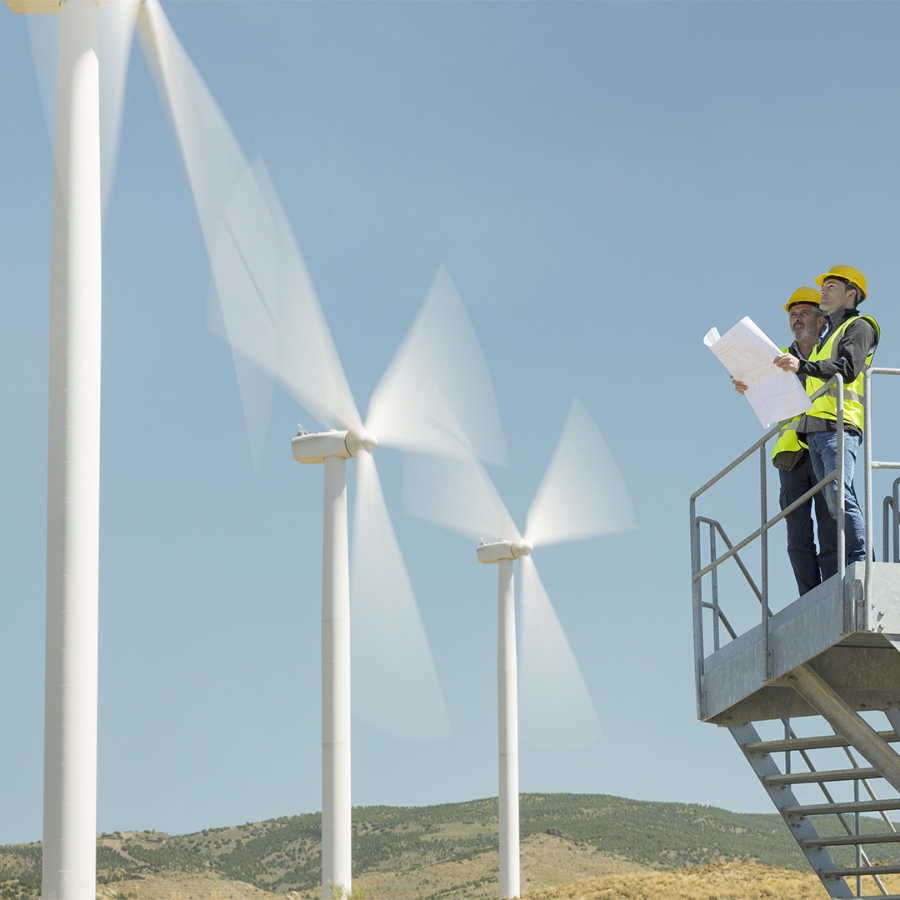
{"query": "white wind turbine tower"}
(582, 495)
(73, 482)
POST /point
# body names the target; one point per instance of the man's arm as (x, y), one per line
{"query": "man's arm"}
(855, 345)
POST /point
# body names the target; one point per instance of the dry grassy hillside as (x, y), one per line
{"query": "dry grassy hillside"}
(573, 846)
(722, 881)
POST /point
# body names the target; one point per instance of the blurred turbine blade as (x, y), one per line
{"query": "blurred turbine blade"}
(395, 684)
(256, 389)
(456, 492)
(43, 35)
(555, 708)
(270, 311)
(582, 494)
(269, 307)
(256, 400)
(115, 24)
(211, 154)
(308, 363)
(441, 350)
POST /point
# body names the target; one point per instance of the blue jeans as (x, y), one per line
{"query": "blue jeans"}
(810, 567)
(823, 454)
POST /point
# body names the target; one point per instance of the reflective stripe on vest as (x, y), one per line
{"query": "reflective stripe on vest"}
(825, 407)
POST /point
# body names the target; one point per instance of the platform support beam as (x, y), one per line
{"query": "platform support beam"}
(846, 722)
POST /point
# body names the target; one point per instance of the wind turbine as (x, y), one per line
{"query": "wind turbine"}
(582, 495)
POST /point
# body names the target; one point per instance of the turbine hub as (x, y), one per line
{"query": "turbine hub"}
(360, 439)
(521, 548)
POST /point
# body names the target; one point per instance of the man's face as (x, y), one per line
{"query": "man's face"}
(836, 295)
(806, 322)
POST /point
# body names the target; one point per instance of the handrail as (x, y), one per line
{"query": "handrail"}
(764, 439)
(890, 524)
(703, 520)
(766, 525)
(887, 506)
(869, 465)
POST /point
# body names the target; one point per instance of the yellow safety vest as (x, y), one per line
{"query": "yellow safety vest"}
(825, 407)
(788, 449)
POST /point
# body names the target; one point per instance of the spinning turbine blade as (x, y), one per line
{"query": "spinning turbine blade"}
(288, 316)
(441, 353)
(256, 392)
(582, 494)
(212, 157)
(395, 684)
(269, 307)
(458, 494)
(556, 710)
(115, 25)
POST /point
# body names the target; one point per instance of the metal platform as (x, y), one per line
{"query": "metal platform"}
(851, 640)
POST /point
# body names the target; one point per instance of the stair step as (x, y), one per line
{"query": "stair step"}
(861, 870)
(877, 897)
(824, 775)
(823, 742)
(841, 840)
(852, 806)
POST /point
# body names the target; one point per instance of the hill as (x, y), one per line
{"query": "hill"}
(447, 851)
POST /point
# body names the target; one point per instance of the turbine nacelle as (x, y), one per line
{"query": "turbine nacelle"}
(42, 7)
(500, 550)
(316, 448)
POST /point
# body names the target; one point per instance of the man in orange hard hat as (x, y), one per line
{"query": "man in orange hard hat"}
(811, 566)
(846, 349)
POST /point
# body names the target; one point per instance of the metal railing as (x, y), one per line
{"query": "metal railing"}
(869, 465)
(891, 517)
(890, 524)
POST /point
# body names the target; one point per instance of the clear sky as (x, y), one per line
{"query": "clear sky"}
(605, 182)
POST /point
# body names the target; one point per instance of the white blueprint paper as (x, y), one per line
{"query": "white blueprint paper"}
(747, 354)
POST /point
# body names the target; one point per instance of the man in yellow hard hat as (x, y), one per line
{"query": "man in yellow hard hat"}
(795, 472)
(847, 348)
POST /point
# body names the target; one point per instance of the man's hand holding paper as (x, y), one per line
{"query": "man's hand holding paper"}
(748, 354)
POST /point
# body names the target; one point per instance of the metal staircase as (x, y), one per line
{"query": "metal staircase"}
(811, 693)
(840, 818)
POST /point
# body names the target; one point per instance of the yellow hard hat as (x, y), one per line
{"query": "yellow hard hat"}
(846, 273)
(803, 295)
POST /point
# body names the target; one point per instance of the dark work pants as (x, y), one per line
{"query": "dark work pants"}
(810, 567)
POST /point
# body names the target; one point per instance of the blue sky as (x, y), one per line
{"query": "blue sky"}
(604, 182)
